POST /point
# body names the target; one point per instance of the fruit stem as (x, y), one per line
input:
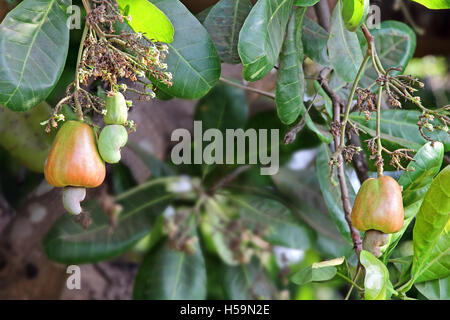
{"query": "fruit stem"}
(352, 93)
(77, 74)
(379, 145)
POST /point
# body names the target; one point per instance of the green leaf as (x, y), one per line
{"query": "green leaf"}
(315, 39)
(34, 40)
(435, 289)
(400, 127)
(343, 47)
(327, 101)
(122, 178)
(192, 59)
(302, 192)
(167, 274)
(354, 13)
(290, 79)
(224, 22)
(24, 138)
(269, 120)
(318, 271)
(376, 281)
(434, 4)
(415, 183)
(146, 18)
(395, 43)
(247, 282)
(157, 167)
(305, 3)
(202, 15)
(261, 37)
(225, 107)
(430, 235)
(282, 227)
(68, 242)
(331, 193)
(291, 83)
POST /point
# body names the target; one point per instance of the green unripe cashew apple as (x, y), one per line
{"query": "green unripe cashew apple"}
(116, 109)
(378, 210)
(112, 138)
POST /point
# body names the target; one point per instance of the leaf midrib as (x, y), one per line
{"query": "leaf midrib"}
(29, 51)
(177, 276)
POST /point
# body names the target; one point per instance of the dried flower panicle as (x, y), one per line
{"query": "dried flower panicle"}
(110, 56)
(129, 55)
(366, 101)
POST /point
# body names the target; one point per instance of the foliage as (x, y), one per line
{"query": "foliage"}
(225, 231)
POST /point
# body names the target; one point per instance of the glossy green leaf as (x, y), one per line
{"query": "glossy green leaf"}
(315, 39)
(331, 193)
(167, 274)
(415, 184)
(434, 4)
(261, 37)
(395, 43)
(282, 227)
(376, 281)
(290, 77)
(318, 271)
(24, 138)
(192, 59)
(435, 289)
(400, 127)
(343, 47)
(290, 85)
(224, 22)
(146, 18)
(34, 40)
(68, 242)
(354, 13)
(247, 282)
(431, 238)
(305, 3)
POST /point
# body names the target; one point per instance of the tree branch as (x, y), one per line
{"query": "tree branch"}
(337, 106)
(322, 11)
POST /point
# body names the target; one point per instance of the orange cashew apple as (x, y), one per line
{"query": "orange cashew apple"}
(74, 159)
(378, 210)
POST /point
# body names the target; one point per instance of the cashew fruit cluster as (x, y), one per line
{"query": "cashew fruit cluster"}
(114, 136)
(74, 163)
(77, 160)
(378, 210)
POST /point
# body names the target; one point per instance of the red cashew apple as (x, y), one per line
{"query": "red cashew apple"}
(74, 159)
(378, 210)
